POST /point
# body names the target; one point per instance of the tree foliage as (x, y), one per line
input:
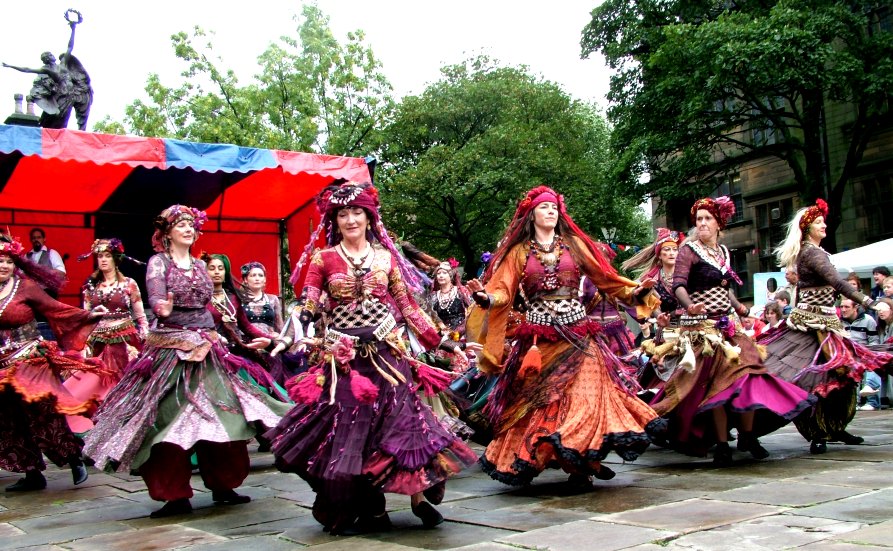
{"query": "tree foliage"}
(703, 87)
(311, 94)
(458, 157)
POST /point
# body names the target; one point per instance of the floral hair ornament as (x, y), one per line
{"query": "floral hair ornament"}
(819, 209)
(447, 265)
(11, 246)
(170, 217)
(722, 208)
(665, 236)
(246, 268)
(112, 245)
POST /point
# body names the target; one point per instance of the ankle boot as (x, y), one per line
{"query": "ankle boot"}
(722, 457)
(172, 508)
(33, 480)
(747, 442)
(78, 471)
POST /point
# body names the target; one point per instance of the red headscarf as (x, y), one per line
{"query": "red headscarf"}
(665, 235)
(819, 209)
(722, 208)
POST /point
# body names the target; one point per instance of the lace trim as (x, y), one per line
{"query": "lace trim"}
(723, 268)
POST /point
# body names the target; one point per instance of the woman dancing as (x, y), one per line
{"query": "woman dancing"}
(811, 348)
(559, 399)
(359, 429)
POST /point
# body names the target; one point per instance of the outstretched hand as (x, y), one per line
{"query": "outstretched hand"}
(259, 343)
(474, 286)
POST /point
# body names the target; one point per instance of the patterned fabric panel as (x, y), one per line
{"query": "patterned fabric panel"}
(817, 296)
(348, 316)
(716, 299)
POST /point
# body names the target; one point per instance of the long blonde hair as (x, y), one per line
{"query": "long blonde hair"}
(786, 253)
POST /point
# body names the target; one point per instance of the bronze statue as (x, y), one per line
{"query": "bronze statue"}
(61, 86)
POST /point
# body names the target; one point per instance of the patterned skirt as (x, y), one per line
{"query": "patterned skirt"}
(180, 397)
(569, 413)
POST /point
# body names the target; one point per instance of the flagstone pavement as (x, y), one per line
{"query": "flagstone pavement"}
(842, 500)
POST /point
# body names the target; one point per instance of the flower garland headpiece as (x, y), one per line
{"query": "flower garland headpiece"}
(448, 266)
(819, 209)
(12, 247)
(112, 245)
(664, 236)
(722, 208)
(170, 217)
(246, 268)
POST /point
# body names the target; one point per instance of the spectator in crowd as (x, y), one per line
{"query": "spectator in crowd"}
(871, 390)
(879, 274)
(862, 328)
(887, 287)
(773, 314)
(853, 279)
(752, 324)
(783, 298)
(43, 255)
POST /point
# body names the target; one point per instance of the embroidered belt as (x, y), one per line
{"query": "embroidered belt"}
(817, 309)
(22, 353)
(384, 328)
(555, 312)
(12, 339)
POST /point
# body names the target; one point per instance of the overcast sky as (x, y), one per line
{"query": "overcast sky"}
(121, 42)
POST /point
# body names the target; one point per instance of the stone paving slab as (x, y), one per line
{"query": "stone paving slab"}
(871, 477)
(614, 500)
(876, 534)
(691, 515)
(702, 483)
(773, 532)
(94, 515)
(787, 493)
(838, 501)
(408, 532)
(262, 543)
(873, 507)
(520, 518)
(61, 535)
(160, 538)
(584, 534)
(488, 546)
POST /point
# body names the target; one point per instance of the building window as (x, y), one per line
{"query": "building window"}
(771, 219)
(730, 185)
(880, 20)
(739, 264)
(763, 131)
(875, 195)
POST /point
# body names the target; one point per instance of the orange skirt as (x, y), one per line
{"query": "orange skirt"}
(578, 427)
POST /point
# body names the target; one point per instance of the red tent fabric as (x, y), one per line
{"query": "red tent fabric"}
(82, 185)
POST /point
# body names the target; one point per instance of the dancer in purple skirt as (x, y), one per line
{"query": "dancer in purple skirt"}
(359, 429)
(811, 347)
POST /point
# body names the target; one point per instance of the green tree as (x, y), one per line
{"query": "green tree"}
(458, 157)
(312, 94)
(703, 87)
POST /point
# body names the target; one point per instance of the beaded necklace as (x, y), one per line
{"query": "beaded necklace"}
(224, 306)
(9, 298)
(445, 299)
(549, 257)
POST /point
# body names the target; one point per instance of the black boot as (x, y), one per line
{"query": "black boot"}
(172, 508)
(818, 447)
(228, 497)
(722, 457)
(429, 515)
(847, 438)
(747, 442)
(33, 480)
(78, 471)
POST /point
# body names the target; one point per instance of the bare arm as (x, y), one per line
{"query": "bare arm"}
(41, 71)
